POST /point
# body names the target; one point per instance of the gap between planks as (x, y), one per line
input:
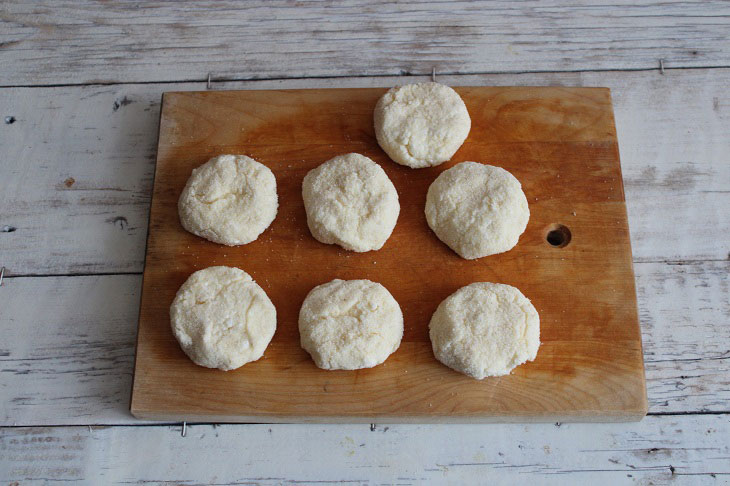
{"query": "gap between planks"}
(403, 73)
(653, 451)
(166, 423)
(98, 274)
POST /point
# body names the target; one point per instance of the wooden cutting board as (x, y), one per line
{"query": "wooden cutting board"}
(559, 142)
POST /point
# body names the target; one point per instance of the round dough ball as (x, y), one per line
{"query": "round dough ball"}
(485, 329)
(350, 201)
(231, 200)
(477, 209)
(350, 324)
(421, 125)
(222, 318)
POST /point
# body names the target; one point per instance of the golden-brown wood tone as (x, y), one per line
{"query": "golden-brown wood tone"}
(559, 142)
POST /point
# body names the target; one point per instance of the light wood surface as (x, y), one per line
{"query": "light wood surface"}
(658, 450)
(83, 41)
(672, 131)
(559, 142)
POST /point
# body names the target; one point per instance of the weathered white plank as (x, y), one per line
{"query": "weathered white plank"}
(59, 41)
(675, 156)
(672, 134)
(68, 343)
(684, 311)
(77, 168)
(690, 449)
(67, 352)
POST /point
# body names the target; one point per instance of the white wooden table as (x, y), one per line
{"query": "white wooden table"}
(80, 86)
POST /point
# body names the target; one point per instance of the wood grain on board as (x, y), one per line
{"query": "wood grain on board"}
(559, 142)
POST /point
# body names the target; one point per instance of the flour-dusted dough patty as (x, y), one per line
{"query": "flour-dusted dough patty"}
(421, 125)
(350, 324)
(485, 329)
(350, 201)
(477, 209)
(231, 200)
(222, 318)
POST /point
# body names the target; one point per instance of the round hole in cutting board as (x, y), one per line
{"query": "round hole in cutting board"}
(558, 236)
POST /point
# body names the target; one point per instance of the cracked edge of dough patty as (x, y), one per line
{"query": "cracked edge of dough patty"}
(230, 200)
(421, 125)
